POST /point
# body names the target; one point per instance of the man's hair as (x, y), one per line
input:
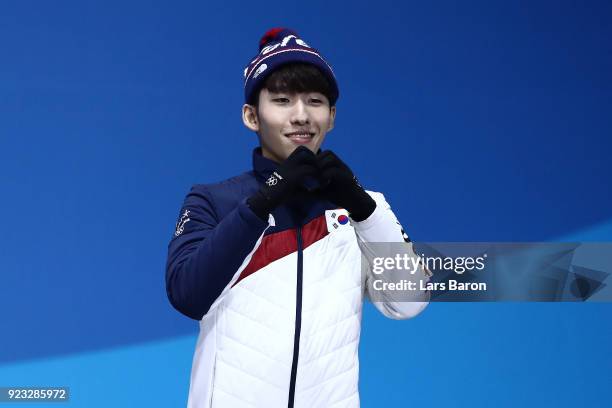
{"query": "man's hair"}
(294, 78)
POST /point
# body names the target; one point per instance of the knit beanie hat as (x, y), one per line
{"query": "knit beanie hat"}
(281, 46)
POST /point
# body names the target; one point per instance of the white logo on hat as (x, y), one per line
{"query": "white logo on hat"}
(286, 40)
(283, 43)
(261, 69)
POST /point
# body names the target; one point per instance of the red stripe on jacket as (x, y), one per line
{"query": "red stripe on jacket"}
(283, 243)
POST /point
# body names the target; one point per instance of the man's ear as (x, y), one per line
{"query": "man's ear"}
(332, 117)
(249, 117)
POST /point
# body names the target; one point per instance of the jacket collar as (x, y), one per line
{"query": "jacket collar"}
(262, 166)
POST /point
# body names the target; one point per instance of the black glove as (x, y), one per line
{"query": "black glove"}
(340, 186)
(283, 182)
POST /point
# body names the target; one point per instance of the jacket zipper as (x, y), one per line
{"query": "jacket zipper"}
(298, 318)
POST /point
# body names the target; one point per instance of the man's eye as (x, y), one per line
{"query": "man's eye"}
(315, 100)
(283, 100)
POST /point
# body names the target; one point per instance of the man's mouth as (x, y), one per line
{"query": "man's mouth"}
(300, 137)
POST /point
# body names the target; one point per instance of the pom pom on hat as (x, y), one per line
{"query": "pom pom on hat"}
(272, 35)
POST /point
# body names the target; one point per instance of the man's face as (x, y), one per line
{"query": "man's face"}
(285, 121)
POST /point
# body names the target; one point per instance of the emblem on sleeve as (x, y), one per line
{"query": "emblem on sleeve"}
(337, 219)
(180, 225)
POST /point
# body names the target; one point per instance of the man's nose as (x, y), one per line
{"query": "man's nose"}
(300, 113)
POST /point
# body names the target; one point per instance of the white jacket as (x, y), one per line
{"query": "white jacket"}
(285, 330)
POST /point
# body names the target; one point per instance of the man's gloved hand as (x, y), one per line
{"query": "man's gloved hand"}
(340, 186)
(283, 182)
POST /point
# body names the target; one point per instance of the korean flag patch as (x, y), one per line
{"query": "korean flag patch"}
(337, 220)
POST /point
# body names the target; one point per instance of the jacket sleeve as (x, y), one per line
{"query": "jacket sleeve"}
(380, 227)
(207, 254)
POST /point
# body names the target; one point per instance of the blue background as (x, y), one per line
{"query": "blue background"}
(480, 121)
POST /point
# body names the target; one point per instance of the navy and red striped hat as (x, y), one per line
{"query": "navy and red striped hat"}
(281, 46)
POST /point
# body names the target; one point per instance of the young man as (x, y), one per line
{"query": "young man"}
(269, 261)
